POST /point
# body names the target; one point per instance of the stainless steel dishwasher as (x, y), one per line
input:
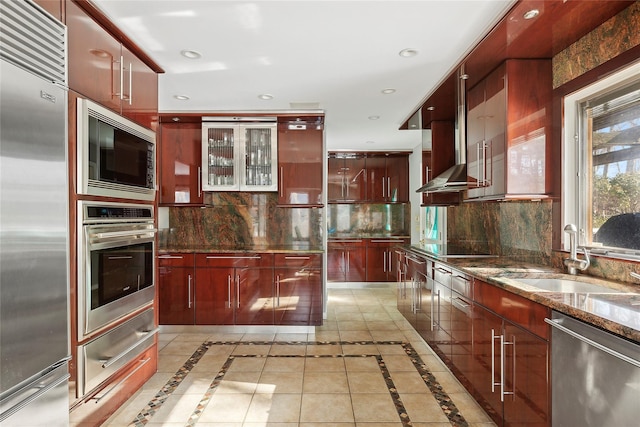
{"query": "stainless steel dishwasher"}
(595, 376)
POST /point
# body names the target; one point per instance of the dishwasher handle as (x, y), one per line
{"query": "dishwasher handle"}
(592, 343)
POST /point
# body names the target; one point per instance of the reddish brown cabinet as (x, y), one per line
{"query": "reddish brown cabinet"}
(346, 181)
(387, 177)
(300, 164)
(510, 331)
(54, 7)
(104, 70)
(346, 260)
(508, 131)
(176, 286)
(234, 288)
(298, 298)
(437, 160)
(382, 261)
(180, 163)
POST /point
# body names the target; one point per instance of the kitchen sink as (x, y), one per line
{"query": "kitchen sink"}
(568, 286)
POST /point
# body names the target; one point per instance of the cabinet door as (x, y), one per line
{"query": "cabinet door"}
(258, 158)
(176, 304)
(215, 296)
(462, 337)
(356, 263)
(494, 156)
(476, 150)
(180, 157)
(220, 157)
(377, 263)
(54, 7)
(347, 178)
(300, 160)
(254, 296)
(377, 180)
(140, 91)
(526, 379)
(397, 176)
(485, 374)
(298, 296)
(94, 59)
(336, 265)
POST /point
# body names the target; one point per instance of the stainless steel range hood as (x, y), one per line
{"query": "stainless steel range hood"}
(455, 178)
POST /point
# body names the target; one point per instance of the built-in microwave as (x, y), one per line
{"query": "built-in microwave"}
(116, 157)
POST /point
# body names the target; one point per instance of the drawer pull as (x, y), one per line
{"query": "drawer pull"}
(114, 359)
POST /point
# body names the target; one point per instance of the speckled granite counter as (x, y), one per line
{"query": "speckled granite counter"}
(616, 312)
(298, 249)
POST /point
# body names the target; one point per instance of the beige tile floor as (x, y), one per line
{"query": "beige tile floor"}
(329, 377)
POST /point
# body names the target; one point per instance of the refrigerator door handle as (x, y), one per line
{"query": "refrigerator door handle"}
(37, 384)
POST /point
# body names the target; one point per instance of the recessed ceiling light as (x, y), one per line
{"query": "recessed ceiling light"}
(388, 91)
(531, 14)
(431, 108)
(407, 53)
(191, 54)
(265, 96)
(181, 97)
(176, 119)
(370, 142)
(374, 117)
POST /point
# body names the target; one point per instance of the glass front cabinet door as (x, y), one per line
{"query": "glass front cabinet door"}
(239, 157)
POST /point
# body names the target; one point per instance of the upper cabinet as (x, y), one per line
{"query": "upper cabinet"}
(347, 178)
(239, 157)
(368, 177)
(440, 158)
(54, 7)
(180, 168)
(508, 131)
(300, 163)
(388, 178)
(101, 68)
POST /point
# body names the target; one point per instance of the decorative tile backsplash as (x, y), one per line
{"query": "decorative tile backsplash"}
(368, 220)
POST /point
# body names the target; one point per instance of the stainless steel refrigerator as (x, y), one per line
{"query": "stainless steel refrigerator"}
(34, 288)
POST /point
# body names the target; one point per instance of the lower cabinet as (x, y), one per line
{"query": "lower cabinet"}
(511, 355)
(346, 260)
(234, 289)
(381, 260)
(298, 289)
(495, 342)
(240, 289)
(176, 285)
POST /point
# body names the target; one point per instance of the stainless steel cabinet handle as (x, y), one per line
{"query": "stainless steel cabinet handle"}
(170, 257)
(142, 363)
(189, 292)
(433, 324)
(124, 233)
(635, 275)
(237, 291)
(390, 262)
(232, 257)
(114, 359)
(503, 352)
(384, 262)
(384, 192)
(120, 257)
(348, 262)
(297, 257)
(278, 290)
(592, 343)
(130, 83)
(199, 181)
(388, 187)
(493, 358)
(280, 192)
(228, 291)
(426, 174)
(121, 77)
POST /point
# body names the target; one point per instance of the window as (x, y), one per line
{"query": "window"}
(602, 164)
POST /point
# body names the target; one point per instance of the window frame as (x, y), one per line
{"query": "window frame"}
(574, 195)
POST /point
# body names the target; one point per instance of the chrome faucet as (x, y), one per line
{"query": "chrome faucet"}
(573, 263)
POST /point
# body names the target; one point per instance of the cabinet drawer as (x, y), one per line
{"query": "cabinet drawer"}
(519, 310)
(175, 260)
(234, 260)
(297, 261)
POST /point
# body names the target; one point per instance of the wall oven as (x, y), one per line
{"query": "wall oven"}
(116, 157)
(116, 245)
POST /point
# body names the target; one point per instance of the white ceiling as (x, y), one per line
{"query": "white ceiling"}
(336, 56)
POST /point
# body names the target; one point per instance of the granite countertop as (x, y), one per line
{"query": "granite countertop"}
(298, 249)
(617, 311)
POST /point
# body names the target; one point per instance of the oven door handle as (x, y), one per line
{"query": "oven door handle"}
(114, 359)
(123, 233)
